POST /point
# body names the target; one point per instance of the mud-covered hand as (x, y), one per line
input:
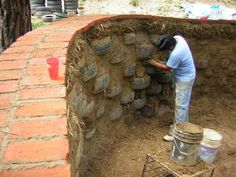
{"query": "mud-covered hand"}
(152, 62)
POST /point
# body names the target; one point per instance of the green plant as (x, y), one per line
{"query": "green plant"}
(134, 2)
(36, 22)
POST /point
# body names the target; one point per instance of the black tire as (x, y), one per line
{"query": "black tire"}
(69, 10)
(49, 18)
(71, 3)
(71, 7)
(52, 3)
(36, 5)
(55, 6)
(37, 1)
(154, 88)
(41, 13)
(42, 9)
(151, 71)
(147, 112)
(101, 46)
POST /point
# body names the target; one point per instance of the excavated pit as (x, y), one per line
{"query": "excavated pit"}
(119, 108)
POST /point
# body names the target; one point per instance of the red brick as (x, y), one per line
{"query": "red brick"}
(42, 108)
(1, 140)
(43, 69)
(32, 36)
(55, 38)
(19, 49)
(8, 86)
(53, 45)
(32, 128)
(50, 52)
(10, 74)
(3, 118)
(42, 92)
(42, 79)
(43, 61)
(5, 65)
(24, 43)
(18, 56)
(57, 171)
(28, 151)
(5, 101)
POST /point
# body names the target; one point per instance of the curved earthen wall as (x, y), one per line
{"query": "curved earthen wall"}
(109, 84)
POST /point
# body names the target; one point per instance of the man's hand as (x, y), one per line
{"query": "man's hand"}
(159, 65)
(152, 62)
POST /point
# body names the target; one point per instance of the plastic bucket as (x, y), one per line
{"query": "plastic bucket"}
(53, 68)
(187, 138)
(209, 145)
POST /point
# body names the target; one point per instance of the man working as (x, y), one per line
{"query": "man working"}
(181, 62)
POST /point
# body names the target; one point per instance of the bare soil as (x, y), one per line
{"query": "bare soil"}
(126, 155)
(119, 150)
(170, 8)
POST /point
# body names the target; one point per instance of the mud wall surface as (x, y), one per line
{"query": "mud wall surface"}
(109, 84)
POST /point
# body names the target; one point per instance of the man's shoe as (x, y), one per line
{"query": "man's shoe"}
(168, 138)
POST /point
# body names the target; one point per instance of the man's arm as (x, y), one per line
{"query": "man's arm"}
(160, 65)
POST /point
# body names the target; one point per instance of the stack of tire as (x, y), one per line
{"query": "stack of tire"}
(55, 5)
(36, 3)
(71, 5)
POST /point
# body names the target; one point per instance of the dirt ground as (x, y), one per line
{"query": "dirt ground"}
(169, 8)
(117, 149)
(126, 155)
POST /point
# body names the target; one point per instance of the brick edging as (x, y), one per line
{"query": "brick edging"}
(33, 107)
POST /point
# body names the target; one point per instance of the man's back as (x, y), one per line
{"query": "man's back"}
(181, 61)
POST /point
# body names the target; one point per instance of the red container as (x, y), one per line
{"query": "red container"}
(53, 68)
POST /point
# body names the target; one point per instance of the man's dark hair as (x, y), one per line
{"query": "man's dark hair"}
(166, 42)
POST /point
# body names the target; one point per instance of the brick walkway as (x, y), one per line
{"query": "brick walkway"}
(32, 109)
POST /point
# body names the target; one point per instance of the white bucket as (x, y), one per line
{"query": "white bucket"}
(209, 145)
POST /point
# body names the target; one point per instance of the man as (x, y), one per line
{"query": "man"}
(181, 63)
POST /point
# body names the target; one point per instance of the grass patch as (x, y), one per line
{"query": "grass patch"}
(134, 2)
(37, 22)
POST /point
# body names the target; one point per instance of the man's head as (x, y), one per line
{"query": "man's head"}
(166, 42)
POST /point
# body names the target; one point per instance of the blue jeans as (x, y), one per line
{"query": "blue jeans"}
(183, 91)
